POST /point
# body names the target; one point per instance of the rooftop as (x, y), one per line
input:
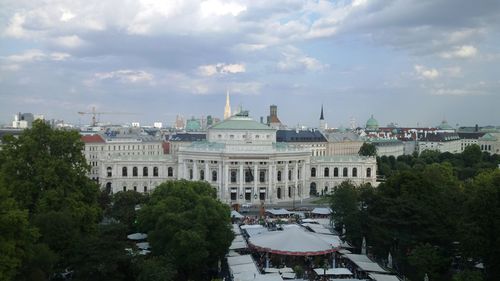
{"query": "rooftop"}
(238, 122)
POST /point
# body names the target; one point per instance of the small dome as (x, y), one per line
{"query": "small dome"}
(372, 124)
(445, 126)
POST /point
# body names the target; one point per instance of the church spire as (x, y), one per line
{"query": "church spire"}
(321, 117)
(227, 109)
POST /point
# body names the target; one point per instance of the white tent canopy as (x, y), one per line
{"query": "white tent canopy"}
(292, 241)
(235, 214)
(238, 243)
(364, 263)
(332, 271)
(321, 211)
(383, 277)
(137, 236)
(279, 212)
(143, 245)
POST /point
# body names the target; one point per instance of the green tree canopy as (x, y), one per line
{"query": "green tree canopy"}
(45, 172)
(368, 149)
(187, 223)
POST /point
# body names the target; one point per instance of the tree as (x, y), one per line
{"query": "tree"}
(482, 222)
(187, 223)
(156, 269)
(430, 260)
(123, 207)
(45, 172)
(16, 236)
(472, 155)
(368, 149)
(103, 256)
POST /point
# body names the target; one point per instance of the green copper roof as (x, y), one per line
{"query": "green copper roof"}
(240, 123)
(372, 123)
(445, 126)
(488, 137)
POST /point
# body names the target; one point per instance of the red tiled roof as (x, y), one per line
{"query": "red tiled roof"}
(92, 138)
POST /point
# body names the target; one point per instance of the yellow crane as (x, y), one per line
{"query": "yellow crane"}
(96, 114)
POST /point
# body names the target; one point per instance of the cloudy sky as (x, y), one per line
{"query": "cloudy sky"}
(406, 61)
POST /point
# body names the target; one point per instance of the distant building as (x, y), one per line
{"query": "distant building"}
(442, 142)
(272, 120)
(343, 143)
(388, 147)
(312, 140)
(193, 125)
(371, 125)
(158, 125)
(23, 120)
(490, 142)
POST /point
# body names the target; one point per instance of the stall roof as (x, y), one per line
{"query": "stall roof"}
(333, 271)
(321, 211)
(383, 277)
(235, 214)
(236, 260)
(279, 212)
(364, 263)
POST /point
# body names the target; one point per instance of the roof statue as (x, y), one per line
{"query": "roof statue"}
(227, 109)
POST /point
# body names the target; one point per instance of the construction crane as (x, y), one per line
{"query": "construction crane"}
(95, 113)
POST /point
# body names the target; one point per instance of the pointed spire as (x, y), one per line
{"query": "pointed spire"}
(321, 117)
(227, 109)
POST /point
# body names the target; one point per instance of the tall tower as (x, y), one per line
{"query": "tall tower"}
(227, 109)
(322, 123)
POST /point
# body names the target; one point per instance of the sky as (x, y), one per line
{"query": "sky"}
(410, 62)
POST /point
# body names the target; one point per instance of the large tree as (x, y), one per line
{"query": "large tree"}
(45, 173)
(187, 224)
(481, 226)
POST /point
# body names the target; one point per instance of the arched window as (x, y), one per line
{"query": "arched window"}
(354, 172)
(279, 193)
(368, 172)
(135, 188)
(233, 176)
(109, 171)
(108, 187)
(289, 192)
(170, 171)
(327, 172)
(134, 171)
(289, 175)
(344, 172)
(124, 188)
(190, 174)
(313, 172)
(262, 176)
(124, 172)
(145, 189)
(312, 189)
(202, 175)
(214, 175)
(336, 172)
(155, 171)
(279, 176)
(145, 171)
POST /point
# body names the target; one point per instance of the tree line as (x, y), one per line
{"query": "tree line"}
(436, 213)
(55, 223)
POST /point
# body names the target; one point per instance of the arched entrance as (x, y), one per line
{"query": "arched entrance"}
(108, 187)
(313, 190)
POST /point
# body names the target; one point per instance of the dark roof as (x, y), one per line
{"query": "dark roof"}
(188, 137)
(470, 135)
(299, 136)
(440, 137)
(14, 132)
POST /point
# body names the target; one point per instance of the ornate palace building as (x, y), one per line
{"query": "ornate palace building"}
(239, 157)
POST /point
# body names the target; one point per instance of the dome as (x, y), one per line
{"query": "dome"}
(445, 126)
(372, 124)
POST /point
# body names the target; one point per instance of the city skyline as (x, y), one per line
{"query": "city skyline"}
(408, 62)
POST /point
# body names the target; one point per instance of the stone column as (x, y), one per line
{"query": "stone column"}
(270, 181)
(195, 170)
(286, 181)
(296, 178)
(219, 182)
(225, 183)
(208, 174)
(255, 181)
(241, 188)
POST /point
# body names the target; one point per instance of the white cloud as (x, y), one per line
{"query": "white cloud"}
(426, 73)
(465, 51)
(453, 92)
(221, 8)
(67, 15)
(220, 68)
(294, 60)
(15, 27)
(37, 55)
(125, 76)
(71, 41)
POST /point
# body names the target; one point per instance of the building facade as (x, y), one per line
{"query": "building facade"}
(240, 158)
